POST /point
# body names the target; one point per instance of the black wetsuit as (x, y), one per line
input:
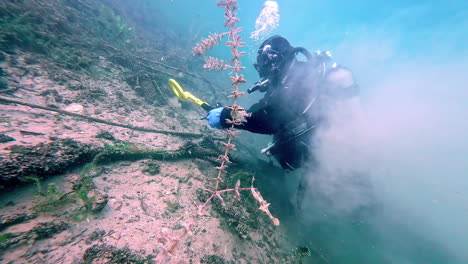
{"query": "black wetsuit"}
(289, 110)
(294, 105)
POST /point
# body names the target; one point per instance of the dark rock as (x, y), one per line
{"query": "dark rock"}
(110, 254)
(98, 200)
(4, 138)
(48, 229)
(152, 167)
(105, 135)
(8, 240)
(121, 96)
(43, 160)
(30, 133)
(98, 234)
(208, 143)
(18, 149)
(40, 231)
(9, 220)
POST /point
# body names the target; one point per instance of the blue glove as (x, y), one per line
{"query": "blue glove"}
(214, 117)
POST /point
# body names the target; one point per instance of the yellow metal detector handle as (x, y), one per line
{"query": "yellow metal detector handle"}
(182, 95)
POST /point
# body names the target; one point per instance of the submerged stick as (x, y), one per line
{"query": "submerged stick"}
(8, 90)
(102, 121)
(115, 50)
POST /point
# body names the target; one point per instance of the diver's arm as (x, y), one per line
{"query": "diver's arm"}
(257, 122)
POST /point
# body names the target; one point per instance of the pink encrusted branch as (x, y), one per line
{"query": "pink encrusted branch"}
(228, 4)
(228, 146)
(236, 68)
(263, 204)
(206, 44)
(255, 193)
(237, 80)
(238, 115)
(215, 64)
(231, 18)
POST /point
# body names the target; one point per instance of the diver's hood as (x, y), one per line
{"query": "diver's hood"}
(274, 57)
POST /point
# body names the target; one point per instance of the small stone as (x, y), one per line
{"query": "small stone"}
(4, 138)
(105, 135)
(145, 207)
(75, 108)
(128, 197)
(115, 236)
(117, 205)
(99, 200)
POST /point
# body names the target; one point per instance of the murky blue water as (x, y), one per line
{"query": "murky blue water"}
(411, 61)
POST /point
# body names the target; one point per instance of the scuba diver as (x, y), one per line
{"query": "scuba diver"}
(298, 94)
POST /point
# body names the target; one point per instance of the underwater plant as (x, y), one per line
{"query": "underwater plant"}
(208, 43)
(237, 113)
